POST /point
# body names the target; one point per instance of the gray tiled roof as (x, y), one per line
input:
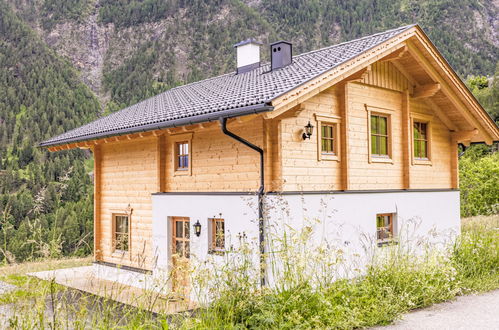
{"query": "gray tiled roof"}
(225, 95)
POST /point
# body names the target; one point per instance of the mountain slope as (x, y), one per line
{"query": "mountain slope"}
(130, 49)
(45, 198)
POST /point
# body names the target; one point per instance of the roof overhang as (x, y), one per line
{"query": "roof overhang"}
(427, 55)
(204, 118)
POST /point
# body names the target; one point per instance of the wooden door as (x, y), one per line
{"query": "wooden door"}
(180, 255)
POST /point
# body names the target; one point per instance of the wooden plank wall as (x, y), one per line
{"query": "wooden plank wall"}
(301, 169)
(220, 163)
(383, 87)
(128, 179)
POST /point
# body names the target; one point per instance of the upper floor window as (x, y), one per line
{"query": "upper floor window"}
(379, 135)
(420, 140)
(327, 139)
(182, 155)
(217, 228)
(121, 232)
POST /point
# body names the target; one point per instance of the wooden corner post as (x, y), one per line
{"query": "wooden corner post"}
(97, 201)
(406, 141)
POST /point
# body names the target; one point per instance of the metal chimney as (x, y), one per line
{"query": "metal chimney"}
(248, 55)
(281, 54)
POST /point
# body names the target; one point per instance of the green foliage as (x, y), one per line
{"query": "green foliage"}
(476, 254)
(58, 11)
(45, 198)
(487, 94)
(391, 287)
(478, 181)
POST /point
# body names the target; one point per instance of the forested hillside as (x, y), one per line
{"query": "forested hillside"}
(45, 198)
(64, 62)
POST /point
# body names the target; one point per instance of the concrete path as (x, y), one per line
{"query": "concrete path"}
(85, 279)
(466, 312)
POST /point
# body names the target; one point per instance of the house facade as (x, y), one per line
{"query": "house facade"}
(362, 135)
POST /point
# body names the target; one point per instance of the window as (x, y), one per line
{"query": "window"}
(327, 139)
(384, 228)
(121, 232)
(181, 153)
(182, 156)
(379, 135)
(420, 140)
(217, 235)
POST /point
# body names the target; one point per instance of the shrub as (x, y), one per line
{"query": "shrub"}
(479, 177)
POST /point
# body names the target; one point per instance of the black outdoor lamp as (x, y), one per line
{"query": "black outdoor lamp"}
(308, 131)
(197, 228)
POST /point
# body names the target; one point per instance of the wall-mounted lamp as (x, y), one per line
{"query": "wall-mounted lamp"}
(197, 228)
(309, 129)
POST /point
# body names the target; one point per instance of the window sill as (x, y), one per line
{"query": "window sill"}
(332, 157)
(381, 159)
(216, 252)
(422, 161)
(387, 242)
(119, 254)
(182, 172)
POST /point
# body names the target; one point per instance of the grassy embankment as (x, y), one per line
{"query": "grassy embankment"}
(386, 291)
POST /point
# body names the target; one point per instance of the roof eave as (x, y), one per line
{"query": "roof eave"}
(213, 116)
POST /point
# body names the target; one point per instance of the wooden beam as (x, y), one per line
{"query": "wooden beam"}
(464, 136)
(425, 91)
(396, 55)
(435, 76)
(438, 111)
(454, 164)
(406, 140)
(161, 163)
(344, 139)
(359, 75)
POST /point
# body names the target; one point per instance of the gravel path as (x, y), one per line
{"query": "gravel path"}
(6, 287)
(466, 312)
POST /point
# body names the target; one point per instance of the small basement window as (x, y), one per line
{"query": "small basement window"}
(121, 232)
(217, 237)
(385, 228)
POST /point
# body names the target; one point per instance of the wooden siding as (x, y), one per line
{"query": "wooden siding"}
(128, 177)
(301, 169)
(386, 75)
(219, 163)
(384, 89)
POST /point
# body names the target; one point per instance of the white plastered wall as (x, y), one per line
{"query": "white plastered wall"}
(344, 220)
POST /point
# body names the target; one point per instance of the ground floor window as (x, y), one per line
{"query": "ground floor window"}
(217, 236)
(121, 232)
(385, 228)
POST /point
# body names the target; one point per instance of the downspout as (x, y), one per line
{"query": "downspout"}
(261, 227)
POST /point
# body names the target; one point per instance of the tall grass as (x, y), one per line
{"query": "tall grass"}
(309, 294)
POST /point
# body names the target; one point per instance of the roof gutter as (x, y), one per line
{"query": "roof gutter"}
(213, 116)
(261, 224)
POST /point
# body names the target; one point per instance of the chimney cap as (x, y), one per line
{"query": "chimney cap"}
(281, 42)
(248, 41)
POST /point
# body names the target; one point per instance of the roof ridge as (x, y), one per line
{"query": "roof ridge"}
(401, 28)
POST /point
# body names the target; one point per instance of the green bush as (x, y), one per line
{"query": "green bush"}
(479, 178)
